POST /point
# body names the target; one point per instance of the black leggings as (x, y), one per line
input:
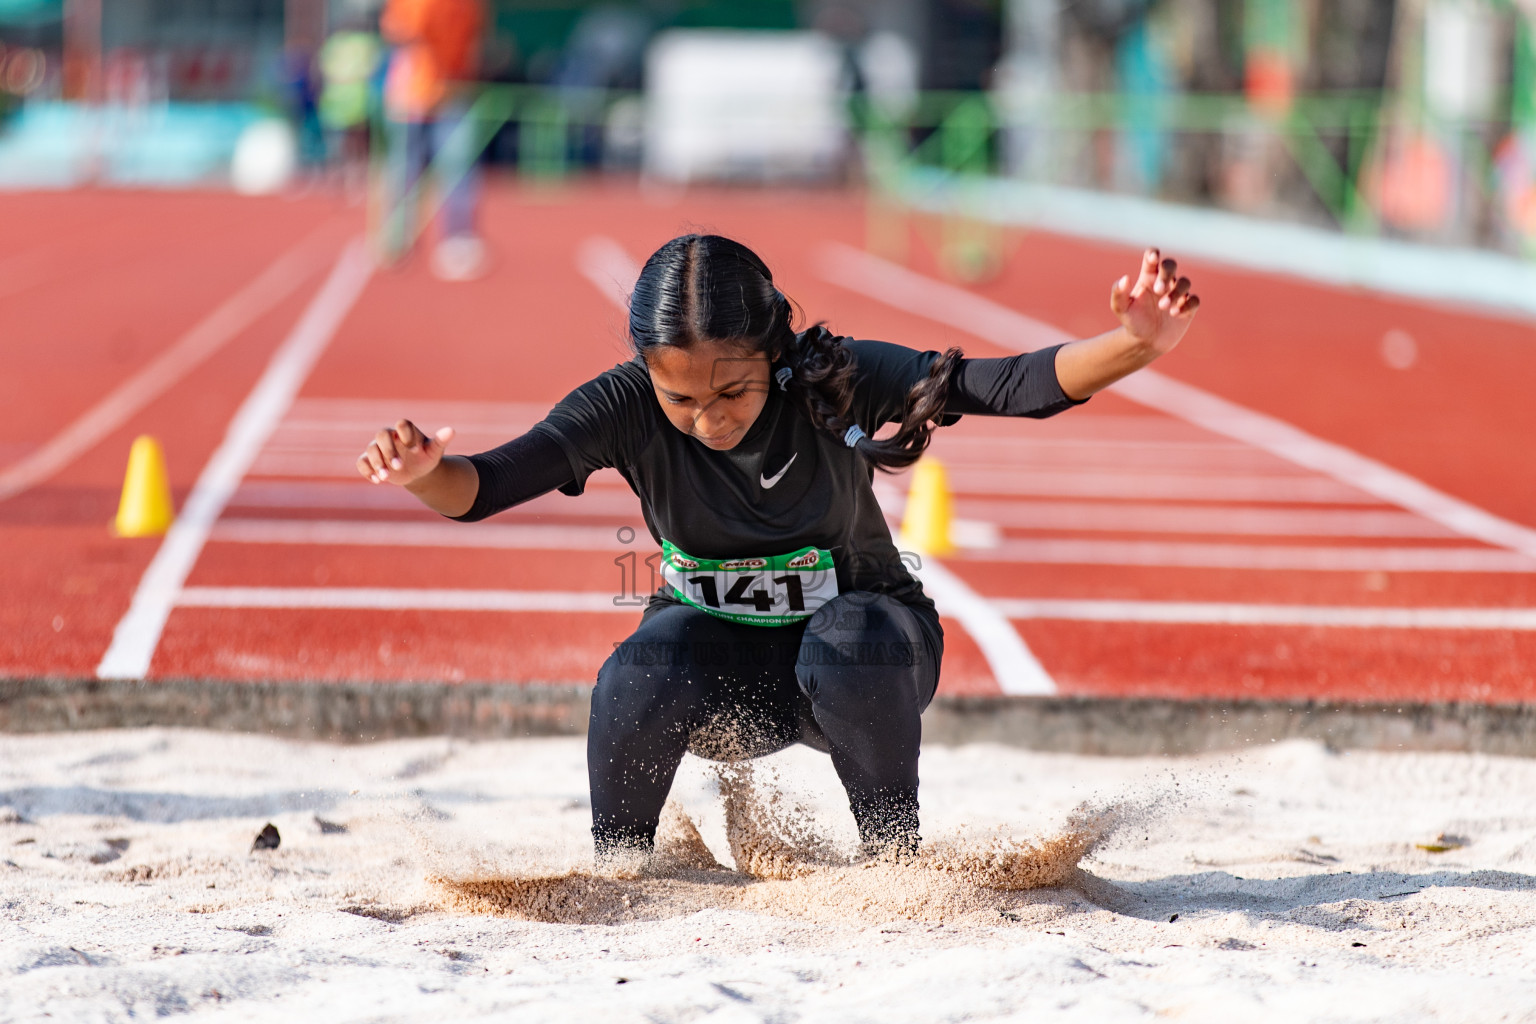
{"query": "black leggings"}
(852, 681)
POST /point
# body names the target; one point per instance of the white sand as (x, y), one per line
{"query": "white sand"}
(127, 890)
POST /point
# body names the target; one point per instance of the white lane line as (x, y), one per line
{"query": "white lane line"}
(318, 437)
(1232, 420)
(1025, 459)
(1299, 490)
(533, 537)
(1218, 614)
(212, 333)
(1243, 520)
(304, 439)
(1173, 554)
(1111, 428)
(609, 267)
(388, 598)
(138, 632)
(299, 438)
(322, 494)
(1026, 453)
(597, 502)
(920, 295)
(1131, 447)
(1013, 664)
(947, 304)
(352, 413)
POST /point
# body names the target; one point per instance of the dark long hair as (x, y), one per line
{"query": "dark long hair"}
(708, 288)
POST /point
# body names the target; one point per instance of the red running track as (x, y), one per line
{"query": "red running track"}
(1131, 550)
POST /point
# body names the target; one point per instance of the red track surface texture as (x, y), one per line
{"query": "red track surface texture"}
(1134, 552)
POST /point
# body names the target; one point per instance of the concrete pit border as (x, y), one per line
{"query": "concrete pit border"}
(1140, 726)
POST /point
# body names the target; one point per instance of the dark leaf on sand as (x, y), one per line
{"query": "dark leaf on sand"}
(267, 838)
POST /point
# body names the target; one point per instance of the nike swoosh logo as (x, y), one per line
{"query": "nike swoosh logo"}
(769, 481)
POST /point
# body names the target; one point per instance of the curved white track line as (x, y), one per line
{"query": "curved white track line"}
(948, 304)
(1013, 664)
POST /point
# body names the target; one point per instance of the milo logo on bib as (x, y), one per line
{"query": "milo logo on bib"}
(772, 590)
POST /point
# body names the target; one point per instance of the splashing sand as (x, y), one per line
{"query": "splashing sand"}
(1001, 862)
(786, 868)
(770, 836)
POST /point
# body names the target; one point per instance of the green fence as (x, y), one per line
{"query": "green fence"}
(1365, 163)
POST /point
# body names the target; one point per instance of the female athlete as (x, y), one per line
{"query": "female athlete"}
(787, 614)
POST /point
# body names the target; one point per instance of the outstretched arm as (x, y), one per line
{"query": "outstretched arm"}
(405, 455)
(469, 488)
(1154, 312)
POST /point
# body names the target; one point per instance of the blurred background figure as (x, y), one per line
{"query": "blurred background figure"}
(605, 51)
(349, 62)
(301, 96)
(436, 49)
(1410, 118)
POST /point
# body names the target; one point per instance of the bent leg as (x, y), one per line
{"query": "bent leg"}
(870, 668)
(683, 678)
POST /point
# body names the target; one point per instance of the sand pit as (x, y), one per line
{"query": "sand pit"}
(441, 879)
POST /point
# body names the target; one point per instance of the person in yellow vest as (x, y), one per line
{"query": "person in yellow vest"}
(349, 62)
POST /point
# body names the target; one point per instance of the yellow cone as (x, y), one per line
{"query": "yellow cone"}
(145, 509)
(925, 526)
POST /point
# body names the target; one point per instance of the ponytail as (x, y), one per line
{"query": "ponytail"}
(823, 383)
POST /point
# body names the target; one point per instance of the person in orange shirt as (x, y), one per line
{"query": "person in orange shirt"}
(436, 52)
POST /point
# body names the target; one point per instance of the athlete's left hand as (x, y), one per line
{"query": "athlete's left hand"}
(1155, 309)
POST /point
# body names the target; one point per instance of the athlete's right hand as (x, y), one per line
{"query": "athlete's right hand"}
(403, 454)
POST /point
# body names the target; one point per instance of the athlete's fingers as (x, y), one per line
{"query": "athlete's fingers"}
(409, 436)
(1120, 296)
(408, 443)
(1188, 306)
(365, 468)
(1167, 270)
(375, 460)
(1178, 291)
(385, 440)
(442, 437)
(384, 443)
(1148, 273)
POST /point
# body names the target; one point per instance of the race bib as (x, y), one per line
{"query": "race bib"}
(760, 591)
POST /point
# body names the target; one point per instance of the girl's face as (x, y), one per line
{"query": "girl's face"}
(713, 390)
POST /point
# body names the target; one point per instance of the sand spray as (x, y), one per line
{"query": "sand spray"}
(784, 866)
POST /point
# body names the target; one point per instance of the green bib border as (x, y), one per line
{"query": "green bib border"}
(807, 561)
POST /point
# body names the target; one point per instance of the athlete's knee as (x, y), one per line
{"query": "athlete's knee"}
(671, 641)
(859, 623)
(632, 701)
(658, 683)
(859, 651)
(656, 660)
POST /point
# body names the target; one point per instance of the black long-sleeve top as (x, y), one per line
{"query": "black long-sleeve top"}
(534, 463)
(786, 486)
